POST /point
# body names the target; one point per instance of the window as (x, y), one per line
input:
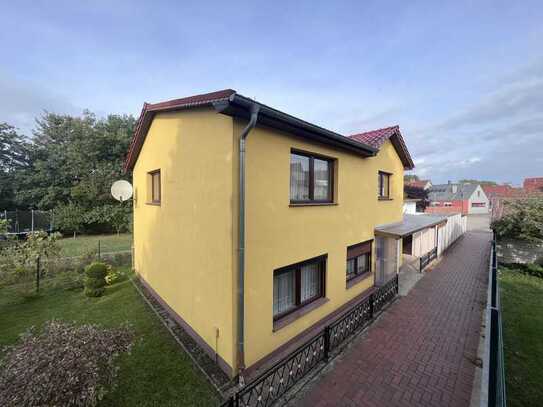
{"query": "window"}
(384, 185)
(311, 178)
(155, 188)
(358, 259)
(298, 285)
(478, 205)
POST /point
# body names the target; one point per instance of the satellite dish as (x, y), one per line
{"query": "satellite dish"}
(121, 190)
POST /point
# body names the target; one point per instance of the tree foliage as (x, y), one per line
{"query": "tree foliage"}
(13, 158)
(69, 165)
(523, 220)
(475, 181)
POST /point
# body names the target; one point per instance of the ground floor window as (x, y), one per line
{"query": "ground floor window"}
(478, 205)
(358, 259)
(297, 285)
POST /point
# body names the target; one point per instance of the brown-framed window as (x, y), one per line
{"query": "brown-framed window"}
(297, 285)
(358, 259)
(155, 197)
(311, 178)
(383, 185)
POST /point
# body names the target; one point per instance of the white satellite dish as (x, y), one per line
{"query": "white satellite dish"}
(121, 190)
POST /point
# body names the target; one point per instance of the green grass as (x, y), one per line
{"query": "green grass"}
(156, 373)
(83, 244)
(522, 316)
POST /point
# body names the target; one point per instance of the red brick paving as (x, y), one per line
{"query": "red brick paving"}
(421, 351)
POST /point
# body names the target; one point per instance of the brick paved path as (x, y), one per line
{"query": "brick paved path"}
(421, 351)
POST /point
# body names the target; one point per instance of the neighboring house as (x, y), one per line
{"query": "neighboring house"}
(253, 227)
(415, 199)
(533, 184)
(461, 198)
(421, 183)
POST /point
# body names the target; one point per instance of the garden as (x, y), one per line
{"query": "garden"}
(84, 336)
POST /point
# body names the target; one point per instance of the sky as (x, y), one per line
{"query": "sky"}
(463, 79)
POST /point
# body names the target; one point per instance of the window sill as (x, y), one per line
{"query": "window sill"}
(293, 316)
(313, 204)
(384, 199)
(153, 203)
(355, 280)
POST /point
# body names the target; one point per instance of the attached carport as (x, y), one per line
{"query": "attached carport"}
(418, 235)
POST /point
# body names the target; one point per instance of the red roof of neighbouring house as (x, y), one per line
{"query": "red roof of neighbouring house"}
(533, 184)
(498, 190)
(376, 138)
(421, 183)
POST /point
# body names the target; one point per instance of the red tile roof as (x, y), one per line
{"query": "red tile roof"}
(421, 183)
(376, 138)
(533, 184)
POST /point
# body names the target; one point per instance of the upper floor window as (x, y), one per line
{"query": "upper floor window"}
(297, 285)
(311, 178)
(155, 190)
(383, 185)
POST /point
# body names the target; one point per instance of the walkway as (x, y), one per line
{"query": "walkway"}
(423, 350)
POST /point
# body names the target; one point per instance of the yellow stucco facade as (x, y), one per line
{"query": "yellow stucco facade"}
(186, 247)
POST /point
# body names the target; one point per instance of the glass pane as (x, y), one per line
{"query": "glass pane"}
(385, 184)
(362, 264)
(283, 292)
(321, 169)
(299, 178)
(380, 184)
(310, 281)
(156, 186)
(350, 268)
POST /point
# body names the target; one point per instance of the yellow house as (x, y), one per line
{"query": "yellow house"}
(253, 227)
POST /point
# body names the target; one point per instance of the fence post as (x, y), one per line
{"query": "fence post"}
(326, 343)
(32, 221)
(98, 249)
(397, 284)
(38, 274)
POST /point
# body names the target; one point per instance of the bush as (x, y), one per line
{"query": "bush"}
(95, 280)
(114, 276)
(65, 365)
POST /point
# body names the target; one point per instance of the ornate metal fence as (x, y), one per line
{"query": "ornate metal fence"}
(278, 379)
(427, 258)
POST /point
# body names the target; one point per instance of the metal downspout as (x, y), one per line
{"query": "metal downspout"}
(241, 244)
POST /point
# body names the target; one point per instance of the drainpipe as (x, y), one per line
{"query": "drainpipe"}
(241, 244)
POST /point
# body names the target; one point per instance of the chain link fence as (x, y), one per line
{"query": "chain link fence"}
(23, 222)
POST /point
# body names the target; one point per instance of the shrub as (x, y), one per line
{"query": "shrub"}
(114, 276)
(95, 280)
(65, 365)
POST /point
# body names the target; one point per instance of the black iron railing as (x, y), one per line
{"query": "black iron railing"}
(493, 381)
(425, 259)
(278, 379)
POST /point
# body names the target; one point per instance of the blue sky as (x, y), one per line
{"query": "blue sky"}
(463, 79)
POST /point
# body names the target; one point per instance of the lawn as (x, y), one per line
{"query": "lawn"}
(522, 313)
(83, 244)
(157, 372)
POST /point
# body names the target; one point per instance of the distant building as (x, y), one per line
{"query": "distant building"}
(462, 198)
(420, 183)
(534, 184)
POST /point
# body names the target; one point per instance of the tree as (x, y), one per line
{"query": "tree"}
(13, 157)
(523, 220)
(74, 161)
(475, 181)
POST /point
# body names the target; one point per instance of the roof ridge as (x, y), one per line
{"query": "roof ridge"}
(396, 126)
